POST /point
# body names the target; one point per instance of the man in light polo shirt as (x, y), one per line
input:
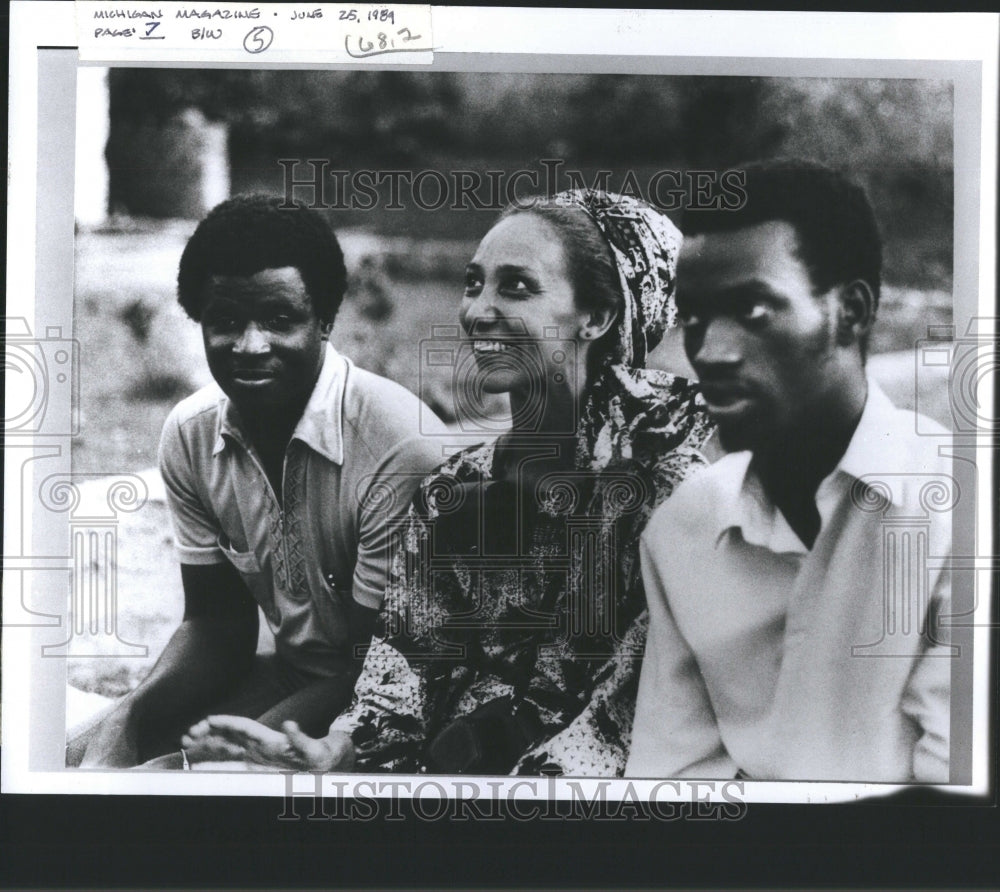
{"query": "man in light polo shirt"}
(283, 481)
(788, 640)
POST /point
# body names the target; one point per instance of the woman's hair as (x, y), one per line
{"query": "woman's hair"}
(593, 272)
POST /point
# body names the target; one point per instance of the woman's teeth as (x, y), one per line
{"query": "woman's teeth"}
(489, 346)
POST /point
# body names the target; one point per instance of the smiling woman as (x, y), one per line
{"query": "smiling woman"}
(514, 621)
(530, 336)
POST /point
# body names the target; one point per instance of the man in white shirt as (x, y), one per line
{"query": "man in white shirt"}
(778, 647)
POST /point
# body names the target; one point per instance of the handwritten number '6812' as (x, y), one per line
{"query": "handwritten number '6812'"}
(382, 43)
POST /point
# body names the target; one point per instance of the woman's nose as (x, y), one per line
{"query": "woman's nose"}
(478, 314)
(252, 340)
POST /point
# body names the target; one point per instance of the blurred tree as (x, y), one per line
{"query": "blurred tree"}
(866, 124)
(388, 115)
(630, 117)
(154, 95)
(700, 121)
(722, 121)
(895, 135)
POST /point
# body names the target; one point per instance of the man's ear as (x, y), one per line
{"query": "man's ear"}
(598, 322)
(326, 328)
(856, 313)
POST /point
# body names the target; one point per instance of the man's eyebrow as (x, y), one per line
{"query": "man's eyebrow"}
(216, 297)
(745, 288)
(270, 301)
(278, 292)
(752, 285)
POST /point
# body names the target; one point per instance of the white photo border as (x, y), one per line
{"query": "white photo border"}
(42, 111)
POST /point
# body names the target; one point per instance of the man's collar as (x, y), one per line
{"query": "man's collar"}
(747, 507)
(321, 426)
(880, 434)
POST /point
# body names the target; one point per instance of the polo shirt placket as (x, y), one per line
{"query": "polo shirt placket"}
(284, 525)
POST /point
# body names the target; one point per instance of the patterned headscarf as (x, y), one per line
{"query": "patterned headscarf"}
(625, 401)
(644, 244)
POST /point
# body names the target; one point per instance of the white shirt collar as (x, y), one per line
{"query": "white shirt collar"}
(880, 435)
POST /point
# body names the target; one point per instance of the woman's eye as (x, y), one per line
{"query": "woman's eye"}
(517, 287)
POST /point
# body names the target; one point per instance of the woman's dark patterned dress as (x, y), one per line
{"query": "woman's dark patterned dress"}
(546, 602)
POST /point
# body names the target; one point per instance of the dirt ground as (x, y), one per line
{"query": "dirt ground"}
(140, 355)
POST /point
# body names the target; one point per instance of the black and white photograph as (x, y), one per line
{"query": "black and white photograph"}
(598, 422)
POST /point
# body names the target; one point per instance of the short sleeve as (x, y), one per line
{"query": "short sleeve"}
(196, 530)
(383, 506)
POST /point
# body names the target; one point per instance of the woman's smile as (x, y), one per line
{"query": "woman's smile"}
(490, 346)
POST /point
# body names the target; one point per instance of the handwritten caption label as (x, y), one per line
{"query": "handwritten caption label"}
(228, 32)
